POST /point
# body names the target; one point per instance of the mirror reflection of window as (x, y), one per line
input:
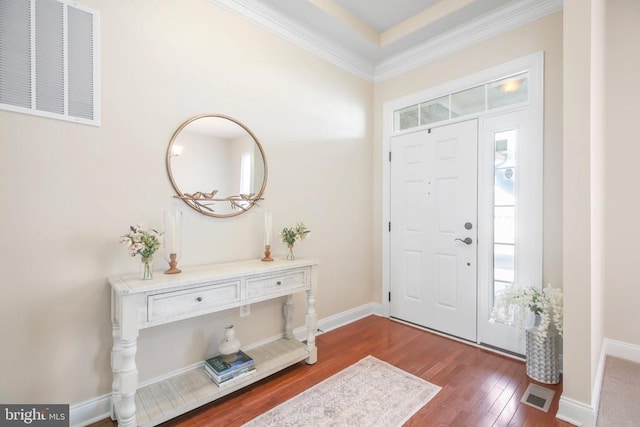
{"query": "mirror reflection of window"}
(245, 175)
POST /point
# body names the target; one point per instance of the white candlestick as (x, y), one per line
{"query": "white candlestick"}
(172, 240)
(172, 226)
(267, 228)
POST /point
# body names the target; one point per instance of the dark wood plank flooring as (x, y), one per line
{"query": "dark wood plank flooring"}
(479, 387)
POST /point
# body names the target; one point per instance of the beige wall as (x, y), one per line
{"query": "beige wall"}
(584, 196)
(598, 190)
(622, 292)
(71, 190)
(542, 35)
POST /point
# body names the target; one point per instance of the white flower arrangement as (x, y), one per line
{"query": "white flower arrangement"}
(517, 302)
(142, 242)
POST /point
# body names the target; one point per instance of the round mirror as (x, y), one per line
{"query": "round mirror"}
(216, 165)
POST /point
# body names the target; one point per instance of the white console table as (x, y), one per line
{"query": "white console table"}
(138, 304)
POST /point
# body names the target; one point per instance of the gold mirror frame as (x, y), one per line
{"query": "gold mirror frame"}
(203, 201)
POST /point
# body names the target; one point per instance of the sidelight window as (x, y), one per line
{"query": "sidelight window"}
(504, 210)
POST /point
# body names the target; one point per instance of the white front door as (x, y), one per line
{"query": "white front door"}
(433, 211)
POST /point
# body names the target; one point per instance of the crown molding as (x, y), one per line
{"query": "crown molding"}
(284, 28)
(485, 27)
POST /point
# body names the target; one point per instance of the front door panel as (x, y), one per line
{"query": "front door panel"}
(433, 228)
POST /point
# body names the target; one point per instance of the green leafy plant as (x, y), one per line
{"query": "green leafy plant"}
(290, 235)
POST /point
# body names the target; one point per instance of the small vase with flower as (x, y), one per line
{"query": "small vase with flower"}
(144, 243)
(290, 235)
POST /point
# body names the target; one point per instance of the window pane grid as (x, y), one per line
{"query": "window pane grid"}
(503, 92)
(435, 110)
(508, 91)
(504, 209)
(468, 101)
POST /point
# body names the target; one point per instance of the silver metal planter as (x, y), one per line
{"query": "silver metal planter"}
(543, 356)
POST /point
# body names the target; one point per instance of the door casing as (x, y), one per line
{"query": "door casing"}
(534, 63)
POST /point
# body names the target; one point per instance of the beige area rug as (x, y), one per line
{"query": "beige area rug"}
(619, 403)
(368, 393)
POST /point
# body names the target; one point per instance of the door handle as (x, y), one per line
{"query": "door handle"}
(466, 241)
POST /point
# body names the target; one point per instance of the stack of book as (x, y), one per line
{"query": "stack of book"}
(225, 369)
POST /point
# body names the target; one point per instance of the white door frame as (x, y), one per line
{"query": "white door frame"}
(534, 63)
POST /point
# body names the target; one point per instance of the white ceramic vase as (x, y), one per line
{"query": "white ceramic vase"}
(230, 345)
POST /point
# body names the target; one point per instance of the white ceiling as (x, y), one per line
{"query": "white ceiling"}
(383, 14)
(377, 39)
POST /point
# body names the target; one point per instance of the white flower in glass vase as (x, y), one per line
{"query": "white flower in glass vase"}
(516, 302)
(144, 243)
(290, 235)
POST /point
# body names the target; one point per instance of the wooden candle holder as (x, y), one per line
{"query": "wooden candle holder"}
(267, 253)
(173, 263)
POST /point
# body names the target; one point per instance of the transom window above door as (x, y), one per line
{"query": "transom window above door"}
(503, 92)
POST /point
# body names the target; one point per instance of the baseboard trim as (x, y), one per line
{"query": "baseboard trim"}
(597, 386)
(622, 350)
(99, 408)
(576, 413)
(341, 319)
(581, 414)
(90, 411)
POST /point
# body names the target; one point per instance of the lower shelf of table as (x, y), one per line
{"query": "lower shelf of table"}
(182, 393)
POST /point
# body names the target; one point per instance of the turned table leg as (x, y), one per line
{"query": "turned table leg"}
(311, 318)
(116, 365)
(128, 384)
(288, 317)
(123, 361)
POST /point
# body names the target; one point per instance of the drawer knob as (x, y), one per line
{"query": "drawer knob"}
(278, 283)
(199, 299)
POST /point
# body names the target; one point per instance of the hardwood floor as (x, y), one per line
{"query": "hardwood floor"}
(479, 387)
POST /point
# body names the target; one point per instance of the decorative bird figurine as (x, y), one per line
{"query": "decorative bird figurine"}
(210, 195)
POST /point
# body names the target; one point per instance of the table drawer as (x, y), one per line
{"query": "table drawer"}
(202, 298)
(277, 283)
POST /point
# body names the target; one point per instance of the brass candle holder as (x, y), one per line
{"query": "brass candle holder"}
(173, 264)
(267, 253)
